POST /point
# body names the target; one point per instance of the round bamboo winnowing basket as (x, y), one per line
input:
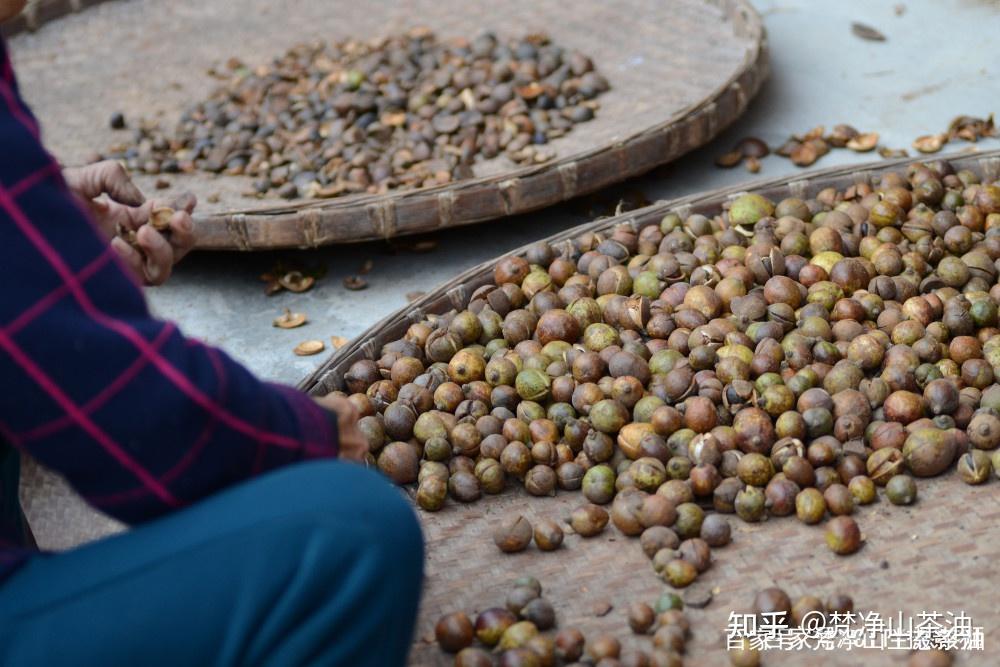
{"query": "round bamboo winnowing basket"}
(680, 71)
(938, 555)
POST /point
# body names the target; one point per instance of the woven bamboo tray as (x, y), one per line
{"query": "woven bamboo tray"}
(680, 70)
(939, 555)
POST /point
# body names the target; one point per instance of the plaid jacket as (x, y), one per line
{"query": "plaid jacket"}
(138, 418)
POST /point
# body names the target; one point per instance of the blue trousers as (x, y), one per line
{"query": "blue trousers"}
(315, 564)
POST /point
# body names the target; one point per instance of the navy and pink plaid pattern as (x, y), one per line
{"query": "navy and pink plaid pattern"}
(138, 418)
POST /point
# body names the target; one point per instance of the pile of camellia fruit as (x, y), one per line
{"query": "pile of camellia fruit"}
(776, 358)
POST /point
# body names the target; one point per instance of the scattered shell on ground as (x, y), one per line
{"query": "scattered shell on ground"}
(887, 152)
(296, 281)
(355, 283)
(929, 143)
(290, 320)
(309, 348)
(863, 142)
(730, 159)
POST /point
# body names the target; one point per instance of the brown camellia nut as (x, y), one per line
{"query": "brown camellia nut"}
(883, 464)
(492, 623)
(540, 481)
(670, 637)
(518, 635)
(511, 269)
(657, 538)
(540, 612)
(984, 431)
(588, 520)
(840, 603)
(624, 512)
(640, 617)
(928, 452)
(400, 462)
(754, 429)
(755, 469)
(557, 324)
(930, 658)
(773, 600)
(697, 552)
(548, 535)
(903, 407)
(361, 375)
(715, 530)
(810, 506)
(656, 510)
(744, 654)
(520, 656)
(473, 657)
(674, 616)
(780, 496)
(454, 632)
(974, 467)
(889, 434)
(570, 643)
(704, 479)
(807, 607)
(464, 487)
(800, 471)
(513, 534)
(700, 414)
(843, 535)
(604, 646)
(679, 573)
(839, 499)
(521, 595)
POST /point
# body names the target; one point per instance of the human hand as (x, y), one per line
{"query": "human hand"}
(353, 445)
(115, 203)
(10, 8)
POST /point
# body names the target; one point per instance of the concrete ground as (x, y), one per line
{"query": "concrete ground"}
(938, 61)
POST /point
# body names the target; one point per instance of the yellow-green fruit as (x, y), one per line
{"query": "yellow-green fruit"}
(500, 371)
(431, 494)
(518, 635)
(826, 260)
(429, 426)
(744, 655)
(607, 416)
(533, 385)
(749, 208)
(679, 573)
(466, 366)
(599, 335)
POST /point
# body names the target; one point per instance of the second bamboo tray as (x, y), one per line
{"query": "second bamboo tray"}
(680, 71)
